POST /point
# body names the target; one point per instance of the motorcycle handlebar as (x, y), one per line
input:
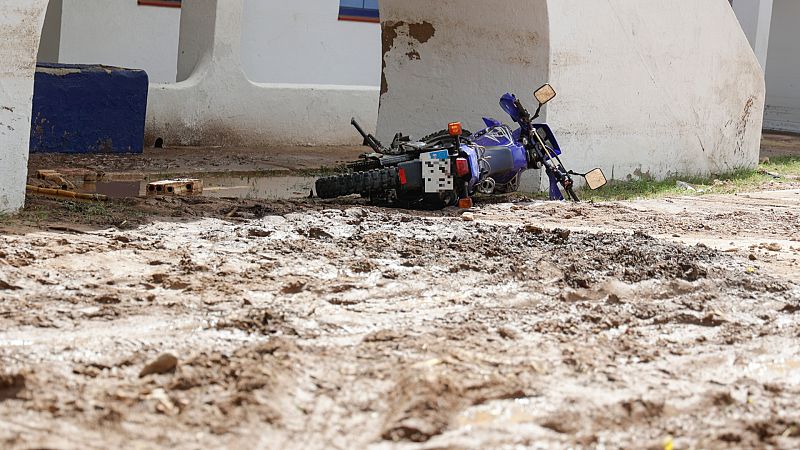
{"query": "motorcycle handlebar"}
(524, 115)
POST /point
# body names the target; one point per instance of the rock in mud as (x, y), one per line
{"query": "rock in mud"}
(355, 212)
(468, 217)
(107, 300)
(318, 233)
(259, 232)
(10, 385)
(5, 286)
(509, 333)
(422, 405)
(534, 229)
(562, 233)
(166, 363)
(294, 287)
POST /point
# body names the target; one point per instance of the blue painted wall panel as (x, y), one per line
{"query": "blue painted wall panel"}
(88, 109)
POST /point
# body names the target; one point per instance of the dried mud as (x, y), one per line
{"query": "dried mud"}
(327, 325)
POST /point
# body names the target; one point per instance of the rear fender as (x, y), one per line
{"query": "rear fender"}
(474, 166)
(414, 182)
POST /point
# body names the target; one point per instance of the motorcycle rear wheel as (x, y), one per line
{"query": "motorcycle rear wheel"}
(367, 183)
(442, 135)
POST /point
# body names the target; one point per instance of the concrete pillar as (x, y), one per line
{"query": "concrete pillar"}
(20, 30)
(646, 88)
(216, 105)
(755, 17)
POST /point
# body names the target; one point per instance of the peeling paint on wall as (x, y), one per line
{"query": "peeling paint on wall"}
(415, 33)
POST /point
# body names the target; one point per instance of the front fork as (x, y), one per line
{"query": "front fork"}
(556, 172)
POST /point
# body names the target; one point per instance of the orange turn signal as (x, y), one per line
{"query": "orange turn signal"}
(465, 203)
(454, 128)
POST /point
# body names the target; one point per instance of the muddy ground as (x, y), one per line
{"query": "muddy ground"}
(202, 160)
(225, 323)
(535, 325)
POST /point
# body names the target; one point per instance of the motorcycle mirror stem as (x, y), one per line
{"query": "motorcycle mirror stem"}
(538, 110)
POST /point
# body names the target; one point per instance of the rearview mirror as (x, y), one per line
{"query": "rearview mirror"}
(595, 179)
(544, 94)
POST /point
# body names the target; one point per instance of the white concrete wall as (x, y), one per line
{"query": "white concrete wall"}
(121, 33)
(303, 42)
(20, 29)
(217, 105)
(646, 88)
(783, 68)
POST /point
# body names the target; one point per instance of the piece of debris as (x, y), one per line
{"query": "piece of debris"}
(178, 186)
(685, 186)
(468, 217)
(166, 363)
(766, 172)
(64, 193)
(773, 247)
(56, 177)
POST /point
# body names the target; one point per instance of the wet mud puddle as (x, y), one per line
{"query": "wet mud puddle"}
(230, 186)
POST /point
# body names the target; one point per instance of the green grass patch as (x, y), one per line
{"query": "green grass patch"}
(784, 165)
(89, 209)
(788, 167)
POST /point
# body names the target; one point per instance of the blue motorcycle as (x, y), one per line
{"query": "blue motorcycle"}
(449, 167)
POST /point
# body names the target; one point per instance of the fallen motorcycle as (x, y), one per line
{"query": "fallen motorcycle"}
(447, 168)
